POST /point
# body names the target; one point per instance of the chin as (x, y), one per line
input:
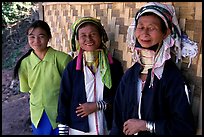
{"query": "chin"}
(146, 47)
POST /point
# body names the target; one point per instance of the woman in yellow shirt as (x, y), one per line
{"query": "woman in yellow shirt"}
(40, 72)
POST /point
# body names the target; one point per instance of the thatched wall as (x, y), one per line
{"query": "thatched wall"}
(116, 17)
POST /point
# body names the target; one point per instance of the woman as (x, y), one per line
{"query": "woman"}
(89, 82)
(152, 96)
(40, 72)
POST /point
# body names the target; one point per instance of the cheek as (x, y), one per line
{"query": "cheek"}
(80, 42)
(136, 33)
(157, 37)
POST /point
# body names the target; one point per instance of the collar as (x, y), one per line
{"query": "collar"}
(49, 57)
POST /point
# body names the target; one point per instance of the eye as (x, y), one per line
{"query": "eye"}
(31, 36)
(42, 36)
(140, 27)
(82, 36)
(93, 34)
(151, 28)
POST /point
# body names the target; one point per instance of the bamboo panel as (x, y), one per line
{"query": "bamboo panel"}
(116, 17)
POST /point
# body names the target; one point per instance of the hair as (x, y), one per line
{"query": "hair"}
(163, 25)
(84, 25)
(37, 24)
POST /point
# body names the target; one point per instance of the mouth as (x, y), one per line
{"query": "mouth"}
(89, 44)
(143, 40)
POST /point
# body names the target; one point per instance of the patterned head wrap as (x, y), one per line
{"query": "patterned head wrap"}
(168, 15)
(104, 57)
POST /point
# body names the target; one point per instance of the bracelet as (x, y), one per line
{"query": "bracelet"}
(150, 126)
(63, 129)
(101, 105)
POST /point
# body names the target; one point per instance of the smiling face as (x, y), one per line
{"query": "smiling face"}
(88, 37)
(38, 39)
(148, 31)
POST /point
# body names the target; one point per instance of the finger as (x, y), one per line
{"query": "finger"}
(84, 115)
(79, 107)
(126, 123)
(130, 132)
(124, 130)
(80, 113)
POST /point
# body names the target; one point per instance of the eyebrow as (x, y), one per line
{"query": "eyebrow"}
(38, 34)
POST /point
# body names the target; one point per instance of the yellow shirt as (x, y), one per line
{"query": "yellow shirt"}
(41, 78)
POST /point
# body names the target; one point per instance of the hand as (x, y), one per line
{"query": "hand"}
(132, 126)
(86, 109)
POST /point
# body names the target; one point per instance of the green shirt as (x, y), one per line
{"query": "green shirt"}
(41, 78)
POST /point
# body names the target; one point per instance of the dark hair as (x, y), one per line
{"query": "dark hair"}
(40, 24)
(37, 24)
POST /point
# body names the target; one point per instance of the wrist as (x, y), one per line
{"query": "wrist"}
(150, 126)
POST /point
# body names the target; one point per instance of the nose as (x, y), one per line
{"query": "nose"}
(145, 31)
(89, 38)
(36, 40)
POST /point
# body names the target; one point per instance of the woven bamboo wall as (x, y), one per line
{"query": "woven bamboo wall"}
(116, 17)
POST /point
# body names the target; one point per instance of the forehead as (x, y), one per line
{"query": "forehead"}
(88, 25)
(37, 30)
(149, 19)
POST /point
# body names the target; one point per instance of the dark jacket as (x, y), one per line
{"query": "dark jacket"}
(166, 103)
(72, 92)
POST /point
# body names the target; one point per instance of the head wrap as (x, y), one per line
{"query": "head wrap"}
(168, 15)
(79, 22)
(104, 57)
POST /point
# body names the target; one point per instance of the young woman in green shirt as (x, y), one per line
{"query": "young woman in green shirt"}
(39, 73)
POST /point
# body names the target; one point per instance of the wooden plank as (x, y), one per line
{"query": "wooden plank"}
(187, 13)
(182, 24)
(199, 129)
(184, 4)
(199, 66)
(198, 10)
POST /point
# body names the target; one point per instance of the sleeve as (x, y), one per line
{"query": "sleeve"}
(116, 75)
(63, 61)
(23, 78)
(181, 120)
(64, 98)
(117, 124)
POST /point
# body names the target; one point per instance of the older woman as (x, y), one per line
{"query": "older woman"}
(89, 82)
(152, 96)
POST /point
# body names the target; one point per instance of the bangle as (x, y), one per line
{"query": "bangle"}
(150, 126)
(63, 129)
(101, 105)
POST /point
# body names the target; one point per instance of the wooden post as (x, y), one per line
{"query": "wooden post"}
(199, 129)
(40, 10)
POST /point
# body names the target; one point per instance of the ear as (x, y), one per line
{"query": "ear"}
(167, 33)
